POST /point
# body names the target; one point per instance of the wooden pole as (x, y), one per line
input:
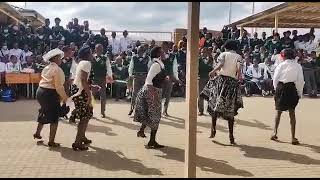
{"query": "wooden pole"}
(191, 89)
(276, 21)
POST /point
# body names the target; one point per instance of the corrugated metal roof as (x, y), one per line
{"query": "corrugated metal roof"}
(290, 15)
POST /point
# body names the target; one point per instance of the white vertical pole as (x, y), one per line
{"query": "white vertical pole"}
(230, 8)
(25, 4)
(192, 90)
(252, 12)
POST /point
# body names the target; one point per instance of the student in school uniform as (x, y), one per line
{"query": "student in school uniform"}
(66, 67)
(171, 69)
(288, 82)
(101, 72)
(205, 67)
(138, 70)
(14, 65)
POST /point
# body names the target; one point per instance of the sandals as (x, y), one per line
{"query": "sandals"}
(35, 136)
(154, 145)
(295, 141)
(53, 144)
(80, 147)
(141, 134)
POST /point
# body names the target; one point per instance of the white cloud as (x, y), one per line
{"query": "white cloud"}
(152, 16)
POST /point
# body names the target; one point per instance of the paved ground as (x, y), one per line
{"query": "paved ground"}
(116, 152)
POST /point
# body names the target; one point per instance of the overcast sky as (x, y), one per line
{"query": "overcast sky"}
(147, 16)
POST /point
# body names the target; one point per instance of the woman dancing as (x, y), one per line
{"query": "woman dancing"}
(148, 102)
(288, 82)
(81, 95)
(49, 95)
(223, 91)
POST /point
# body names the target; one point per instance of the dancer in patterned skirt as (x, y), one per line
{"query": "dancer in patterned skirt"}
(148, 102)
(81, 96)
(223, 91)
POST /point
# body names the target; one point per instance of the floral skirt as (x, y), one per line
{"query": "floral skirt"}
(148, 107)
(82, 109)
(224, 96)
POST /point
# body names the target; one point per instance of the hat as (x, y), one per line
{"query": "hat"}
(52, 53)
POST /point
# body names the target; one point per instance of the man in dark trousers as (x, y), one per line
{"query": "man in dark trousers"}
(101, 71)
(138, 70)
(171, 69)
(205, 67)
(120, 74)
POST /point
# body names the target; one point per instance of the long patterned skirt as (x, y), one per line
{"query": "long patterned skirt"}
(148, 107)
(224, 96)
(82, 109)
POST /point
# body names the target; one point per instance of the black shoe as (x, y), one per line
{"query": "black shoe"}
(200, 114)
(154, 145)
(103, 115)
(86, 141)
(130, 113)
(80, 147)
(141, 134)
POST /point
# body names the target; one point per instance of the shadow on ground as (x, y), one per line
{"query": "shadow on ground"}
(205, 164)
(107, 160)
(267, 153)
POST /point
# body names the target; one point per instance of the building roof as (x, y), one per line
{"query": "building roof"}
(33, 17)
(290, 15)
(11, 12)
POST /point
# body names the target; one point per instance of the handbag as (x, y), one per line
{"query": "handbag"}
(64, 110)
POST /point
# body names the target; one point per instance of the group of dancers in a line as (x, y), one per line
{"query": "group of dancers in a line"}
(222, 91)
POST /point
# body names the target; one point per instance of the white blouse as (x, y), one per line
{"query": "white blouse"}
(289, 71)
(255, 73)
(231, 62)
(154, 70)
(82, 66)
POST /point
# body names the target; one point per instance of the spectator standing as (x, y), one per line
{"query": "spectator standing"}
(125, 42)
(115, 44)
(120, 74)
(309, 69)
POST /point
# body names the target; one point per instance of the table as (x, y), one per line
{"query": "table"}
(23, 78)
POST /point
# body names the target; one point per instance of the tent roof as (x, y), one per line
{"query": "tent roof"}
(11, 12)
(290, 15)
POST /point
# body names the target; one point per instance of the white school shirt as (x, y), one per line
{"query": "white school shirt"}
(82, 66)
(25, 55)
(311, 46)
(115, 43)
(251, 71)
(10, 67)
(17, 52)
(154, 70)
(124, 43)
(289, 71)
(268, 69)
(4, 52)
(2, 67)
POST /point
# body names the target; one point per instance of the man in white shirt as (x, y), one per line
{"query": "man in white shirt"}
(16, 51)
(268, 68)
(312, 44)
(288, 81)
(125, 42)
(25, 53)
(115, 44)
(255, 72)
(14, 65)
